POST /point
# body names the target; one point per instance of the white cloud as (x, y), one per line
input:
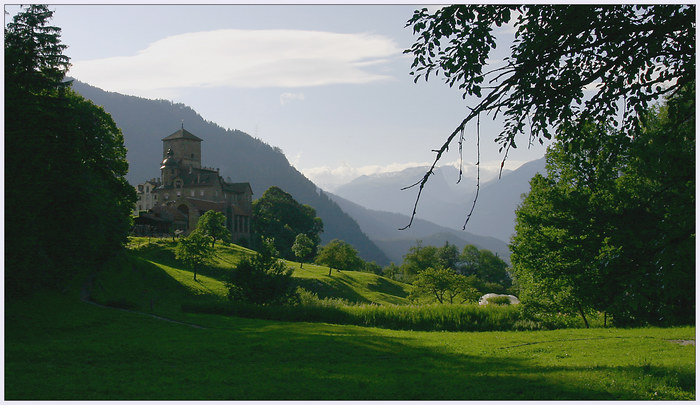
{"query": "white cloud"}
(289, 97)
(244, 59)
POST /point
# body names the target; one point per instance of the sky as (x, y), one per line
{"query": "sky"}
(327, 84)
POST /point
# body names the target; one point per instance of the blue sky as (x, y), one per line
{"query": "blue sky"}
(328, 84)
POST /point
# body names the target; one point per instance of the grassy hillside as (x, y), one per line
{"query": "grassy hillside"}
(150, 279)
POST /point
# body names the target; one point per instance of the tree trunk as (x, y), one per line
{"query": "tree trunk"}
(580, 310)
(329, 271)
(301, 265)
(605, 319)
(194, 270)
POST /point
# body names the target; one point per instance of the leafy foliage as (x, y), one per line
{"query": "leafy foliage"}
(489, 270)
(68, 202)
(634, 52)
(610, 228)
(444, 285)
(303, 247)
(194, 250)
(338, 254)
(281, 218)
(213, 225)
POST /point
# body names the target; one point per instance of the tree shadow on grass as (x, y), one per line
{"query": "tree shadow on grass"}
(100, 353)
(334, 287)
(385, 286)
(315, 362)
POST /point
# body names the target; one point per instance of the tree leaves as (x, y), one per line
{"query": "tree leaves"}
(637, 54)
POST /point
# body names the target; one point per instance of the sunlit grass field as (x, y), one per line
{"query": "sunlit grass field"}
(59, 347)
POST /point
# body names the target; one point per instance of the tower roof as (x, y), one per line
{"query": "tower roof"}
(182, 133)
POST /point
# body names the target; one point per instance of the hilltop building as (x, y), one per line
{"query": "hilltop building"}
(186, 190)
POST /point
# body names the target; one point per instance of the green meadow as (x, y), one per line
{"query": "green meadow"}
(133, 341)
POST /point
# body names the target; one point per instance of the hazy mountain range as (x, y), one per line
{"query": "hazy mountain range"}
(384, 230)
(444, 202)
(366, 212)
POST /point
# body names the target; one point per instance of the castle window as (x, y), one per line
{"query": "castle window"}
(167, 196)
(193, 156)
(201, 193)
(191, 193)
(179, 194)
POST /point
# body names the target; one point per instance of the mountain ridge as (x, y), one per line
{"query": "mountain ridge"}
(383, 229)
(446, 204)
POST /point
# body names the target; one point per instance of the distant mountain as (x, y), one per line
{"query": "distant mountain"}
(239, 157)
(442, 202)
(383, 228)
(384, 192)
(494, 214)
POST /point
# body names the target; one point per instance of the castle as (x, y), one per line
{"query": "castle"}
(186, 190)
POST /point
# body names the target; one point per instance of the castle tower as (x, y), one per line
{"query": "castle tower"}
(186, 148)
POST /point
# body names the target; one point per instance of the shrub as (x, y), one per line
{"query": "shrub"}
(262, 279)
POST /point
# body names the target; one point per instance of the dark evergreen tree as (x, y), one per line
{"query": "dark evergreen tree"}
(67, 204)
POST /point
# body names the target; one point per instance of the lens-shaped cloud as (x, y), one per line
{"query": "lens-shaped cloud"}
(243, 58)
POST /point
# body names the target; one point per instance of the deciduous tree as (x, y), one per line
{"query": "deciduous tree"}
(279, 217)
(444, 285)
(626, 55)
(610, 228)
(194, 250)
(213, 225)
(338, 254)
(303, 247)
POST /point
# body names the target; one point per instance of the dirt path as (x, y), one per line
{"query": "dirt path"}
(85, 297)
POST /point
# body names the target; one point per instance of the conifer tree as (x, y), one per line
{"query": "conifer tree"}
(67, 202)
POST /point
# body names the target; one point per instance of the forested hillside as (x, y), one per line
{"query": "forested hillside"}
(239, 156)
